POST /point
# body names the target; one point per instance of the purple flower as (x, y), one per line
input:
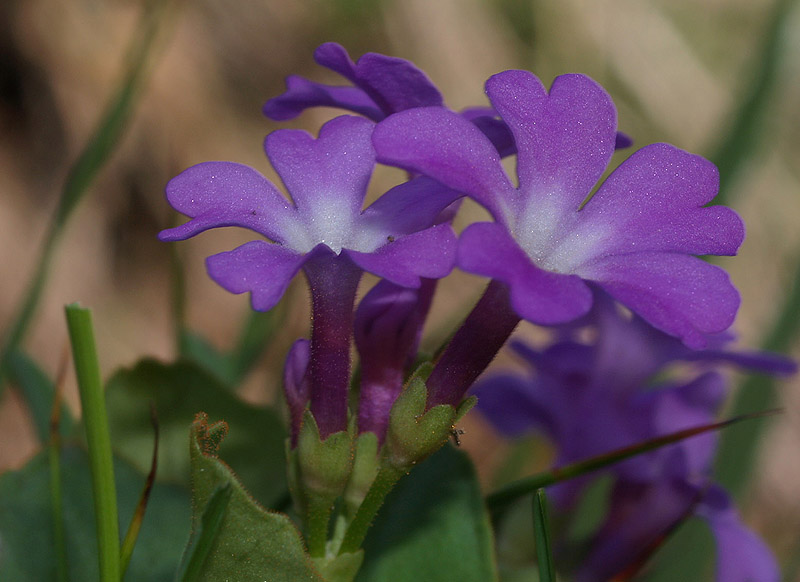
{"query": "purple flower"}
(382, 85)
(634, 238)
(323, 231)
(592, 398)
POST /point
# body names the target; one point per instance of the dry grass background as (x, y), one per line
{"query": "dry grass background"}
(676, 69)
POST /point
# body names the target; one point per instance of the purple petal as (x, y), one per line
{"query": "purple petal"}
(407, 208)
(448, 148)
(764, 362)
(741, 555)
(333, 56)
(302, 94)
(395, 84)
(564, 140)
(678, 294)
(216, 194)
(263, 269)
(539, 296)
(429, 254)
(326, 177)
(654, 202)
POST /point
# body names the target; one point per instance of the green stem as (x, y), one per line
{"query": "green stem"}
(318, 519)
(87, 370)
(541, 533)
(56, 500)
(386, 479)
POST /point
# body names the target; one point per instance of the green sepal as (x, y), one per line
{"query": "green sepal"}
(366, 463)
(464, 407)
(341, 568)
(324, 466)
(413, 433)
(252, 544)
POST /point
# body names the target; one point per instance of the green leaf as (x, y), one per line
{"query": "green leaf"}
(38, 391)
(255, 449)
(432, 527)
(26, 532)
(210, 526)
(541, 533)
(232, 367)
(252, 544)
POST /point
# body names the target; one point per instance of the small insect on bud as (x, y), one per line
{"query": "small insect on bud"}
(456, 434)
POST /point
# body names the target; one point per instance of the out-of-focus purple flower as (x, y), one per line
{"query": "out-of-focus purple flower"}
(636, 236)
(323, 231)
(382, 85)
(592, 398)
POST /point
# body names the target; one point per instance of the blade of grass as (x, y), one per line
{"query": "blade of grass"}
(510, 493)
(742, 139)
(54, 461)
(85, 169)
(541, 534)
(210, 525)
(95, 419)
(129, 542)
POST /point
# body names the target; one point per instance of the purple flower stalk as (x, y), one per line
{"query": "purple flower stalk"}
(322, 231)
(590, 399)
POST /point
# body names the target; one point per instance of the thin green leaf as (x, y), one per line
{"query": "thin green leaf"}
(56, 494)
(87, 370)
(85, 169)
(748, 120)
(210, 527)
(135, 525)
(500, 499)
(541, 533)
(38, 392)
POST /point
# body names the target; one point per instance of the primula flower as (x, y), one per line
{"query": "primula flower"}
(590, 399)
(634, 238)
(322, 231)
(382, 85)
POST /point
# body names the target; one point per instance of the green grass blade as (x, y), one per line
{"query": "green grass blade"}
(748, 120)
(88, 165)
(210, 525)
(56, 495)
(738, 448)
(498, 500)
(87, 370)
(129, 541)
(541, 534)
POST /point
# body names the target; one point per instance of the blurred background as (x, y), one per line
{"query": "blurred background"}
(689, 72)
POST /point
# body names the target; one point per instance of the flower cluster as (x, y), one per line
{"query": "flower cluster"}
(554, 255)
(592, 398)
